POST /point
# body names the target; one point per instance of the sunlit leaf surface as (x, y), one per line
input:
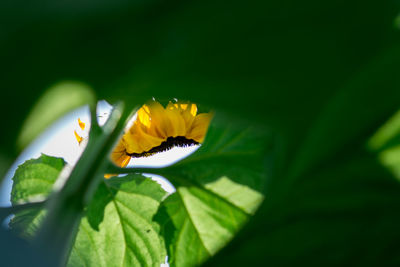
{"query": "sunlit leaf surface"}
(218, 188)
(118, 229)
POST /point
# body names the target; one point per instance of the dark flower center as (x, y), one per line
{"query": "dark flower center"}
(179, 141)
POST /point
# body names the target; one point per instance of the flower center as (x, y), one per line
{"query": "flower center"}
(171, 142)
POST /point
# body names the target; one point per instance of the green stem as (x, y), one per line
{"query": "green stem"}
(111, 168)
(65, 208)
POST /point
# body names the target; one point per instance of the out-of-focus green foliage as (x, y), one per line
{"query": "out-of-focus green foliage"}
(55, 102)
(322, 75)
(386, 143)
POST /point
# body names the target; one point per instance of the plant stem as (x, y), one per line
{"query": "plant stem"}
(65, 207)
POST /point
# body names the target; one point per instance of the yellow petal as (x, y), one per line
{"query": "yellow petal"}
(139, 141)
(176, 125)
(193, 109)
(144, 116)
(188, 116)
(158, 121)
(78, 137)
(81, 124)
(172, 106)
(124, 161)
(119, 156)
(183, 106)
(199, 127)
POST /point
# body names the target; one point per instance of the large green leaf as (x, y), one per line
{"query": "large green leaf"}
(118, 229)
(337, 203)
(332, 216)
(218, 188)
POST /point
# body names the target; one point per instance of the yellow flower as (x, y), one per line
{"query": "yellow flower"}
(158, 129)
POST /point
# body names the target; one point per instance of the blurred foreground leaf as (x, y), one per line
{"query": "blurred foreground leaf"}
(278, 63)
(336, 201)
(342, 212)
(55, 102)
(18, 252)
(386, 143)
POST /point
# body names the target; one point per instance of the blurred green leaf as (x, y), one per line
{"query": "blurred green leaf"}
(126, 236)
(331, 216)
(27, 222)
(386, 143)
(12, 248)
(336, 201)
(387, 135)
(280, 63)
(55, 102)
(348, 116)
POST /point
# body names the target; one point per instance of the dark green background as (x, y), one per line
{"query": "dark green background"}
(322, 75)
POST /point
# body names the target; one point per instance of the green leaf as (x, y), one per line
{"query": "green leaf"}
(218, 188)
(117, 229)
(125, 235)
(33, 180)
(327, 218)
(55, 102)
